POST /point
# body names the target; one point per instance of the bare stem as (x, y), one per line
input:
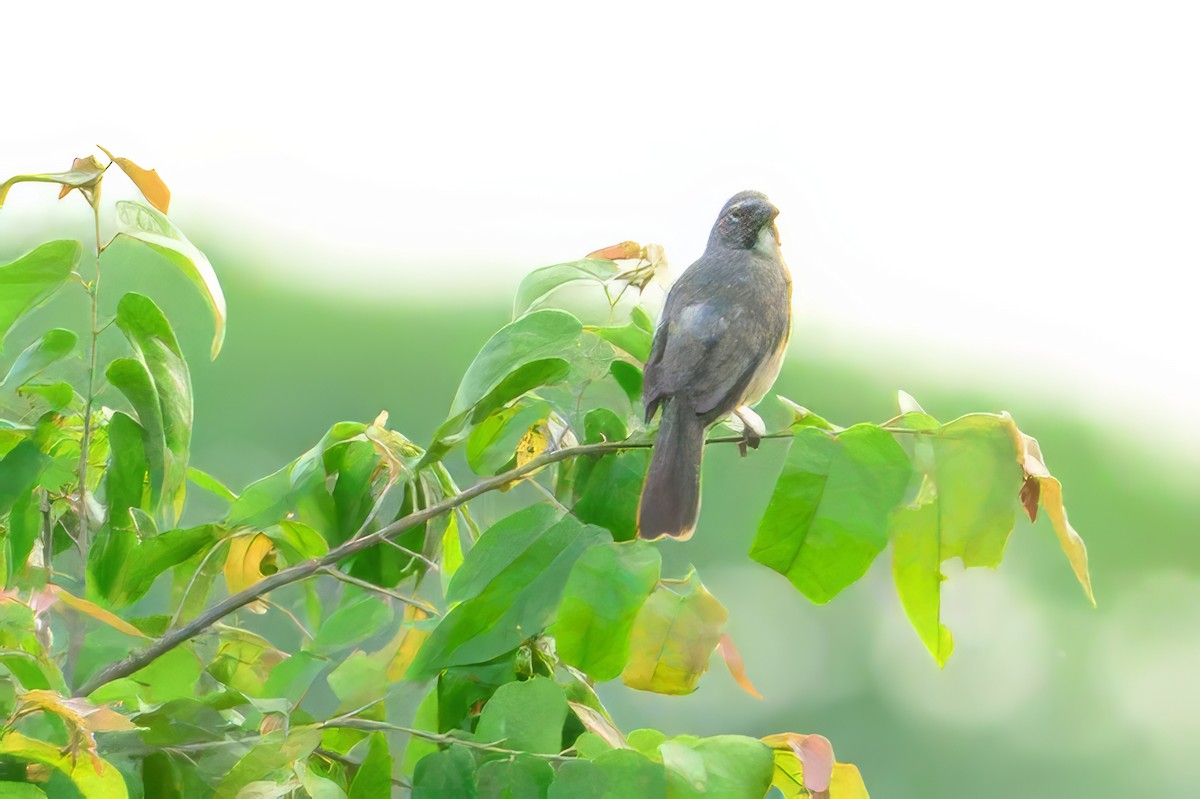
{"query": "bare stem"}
(85, 439)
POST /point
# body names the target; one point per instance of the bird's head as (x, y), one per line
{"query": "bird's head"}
(746, 221)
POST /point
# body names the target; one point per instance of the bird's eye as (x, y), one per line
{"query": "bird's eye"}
(735, 217)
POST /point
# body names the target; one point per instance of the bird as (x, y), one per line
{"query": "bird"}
(717, 349)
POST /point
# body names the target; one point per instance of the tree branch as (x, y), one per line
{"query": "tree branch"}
(306, 569)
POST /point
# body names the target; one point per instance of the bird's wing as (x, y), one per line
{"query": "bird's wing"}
(702, 353)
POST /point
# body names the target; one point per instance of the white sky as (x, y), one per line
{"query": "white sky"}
(1020, 179)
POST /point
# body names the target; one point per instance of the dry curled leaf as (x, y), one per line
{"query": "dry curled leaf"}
(595, 722)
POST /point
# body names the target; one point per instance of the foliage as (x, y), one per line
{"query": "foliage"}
(296, 646)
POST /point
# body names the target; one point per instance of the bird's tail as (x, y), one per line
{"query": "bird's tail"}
(671, 496)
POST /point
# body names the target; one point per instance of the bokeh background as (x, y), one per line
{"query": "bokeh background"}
(991, 207)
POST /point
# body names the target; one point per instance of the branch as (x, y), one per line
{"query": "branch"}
(306, 569)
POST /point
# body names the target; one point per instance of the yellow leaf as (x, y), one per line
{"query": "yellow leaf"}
(673, 638)
(733, 659)
(95, 611)
(147, 180)
(81, 718)
(403, 647)
(1048, 492)
(244, 565)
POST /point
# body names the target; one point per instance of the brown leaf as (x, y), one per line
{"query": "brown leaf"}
(147, 180)
(733, 659)
(1031, 491)
(1049, 494)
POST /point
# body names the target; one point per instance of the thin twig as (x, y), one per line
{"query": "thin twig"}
(368, 725)
(366, 586)
(417, 555)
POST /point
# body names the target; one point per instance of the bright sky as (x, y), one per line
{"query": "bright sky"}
(1020, 179)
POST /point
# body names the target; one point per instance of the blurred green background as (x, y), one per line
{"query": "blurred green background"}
(1043, 696)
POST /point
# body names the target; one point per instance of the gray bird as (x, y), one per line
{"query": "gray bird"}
(718, 347)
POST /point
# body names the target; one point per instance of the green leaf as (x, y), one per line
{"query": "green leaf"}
(521, 777)
(724, 765)
(298, 489)
(629, 378)
(210, 484)
(445, 774)
(828, 517)
(580, 779)
(632, 338)
(374, 777)
(610, 493)
(535, 350)
(154, 342)
(358, 681)
(526, 715)
(965, 510)
(150, 227)
(425, 719)
(977, 476)
(673, 637)
(125, 479)
(29, 281)
(20, 471)
(172, 675)
(266, 758)
(298, 541)
(498, 547)
(493, 442)
(356, 620)
(606, 589)
(58, 396)
(122, 568)
(93, 776)
(522, 574)
(632, 774)
(24, 527)
(916, 569)
(541, 283)
(132, 379)
(55, 345)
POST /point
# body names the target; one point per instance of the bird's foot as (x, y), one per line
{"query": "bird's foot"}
(753, 429)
